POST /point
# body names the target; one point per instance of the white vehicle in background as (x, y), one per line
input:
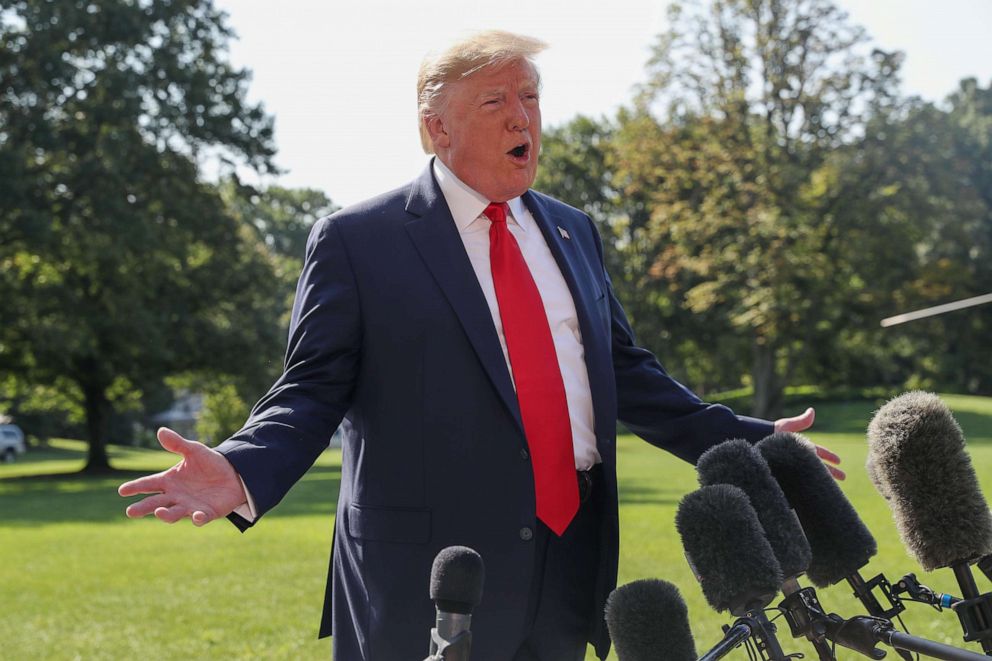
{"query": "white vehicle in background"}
(11, 443)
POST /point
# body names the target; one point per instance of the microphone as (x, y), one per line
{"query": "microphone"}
(738, 463)
(839, 539)
(915, 443)
(734, 563)
(648, 621)
(916, 447)
(456, 588)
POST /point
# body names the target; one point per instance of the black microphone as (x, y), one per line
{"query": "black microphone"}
(734, 563)
(456, 588)
(738, 463)
(648, 621)
(917, 450)
(839, 539)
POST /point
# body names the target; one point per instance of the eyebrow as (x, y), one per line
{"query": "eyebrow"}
(495, 91)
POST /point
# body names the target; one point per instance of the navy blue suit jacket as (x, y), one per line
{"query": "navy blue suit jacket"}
(391, 331)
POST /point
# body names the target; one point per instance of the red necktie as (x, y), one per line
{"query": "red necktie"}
(540, 390)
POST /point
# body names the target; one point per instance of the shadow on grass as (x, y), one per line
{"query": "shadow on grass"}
(82, 498)
(633, 494)
(853, 418)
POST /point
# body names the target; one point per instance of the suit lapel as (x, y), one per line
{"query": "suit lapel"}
(586, 295)
(435, 236)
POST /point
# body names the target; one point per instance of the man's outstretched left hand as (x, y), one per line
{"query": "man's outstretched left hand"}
(803, 422)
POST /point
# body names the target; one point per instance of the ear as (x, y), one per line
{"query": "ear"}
(438, 131)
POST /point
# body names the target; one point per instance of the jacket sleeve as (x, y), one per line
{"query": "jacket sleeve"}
(661, 410)
(293, 423)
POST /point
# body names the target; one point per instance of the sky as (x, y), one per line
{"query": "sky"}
(340, 76)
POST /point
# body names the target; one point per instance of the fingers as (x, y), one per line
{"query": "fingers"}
(830, 460)
(171, 514)
(165, 509)
(146, 506)
(201, 518)
(826, 455)
(803, 421)
(175, 443)
(836, 473)
(147, 484)
(796, 423)
(174, 513)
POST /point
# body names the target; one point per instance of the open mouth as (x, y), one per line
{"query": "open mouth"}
(519, 151)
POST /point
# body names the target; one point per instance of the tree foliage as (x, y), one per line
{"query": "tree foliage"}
(118, 261)
(769, 196)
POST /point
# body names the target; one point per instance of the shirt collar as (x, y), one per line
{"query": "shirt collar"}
(467, 205)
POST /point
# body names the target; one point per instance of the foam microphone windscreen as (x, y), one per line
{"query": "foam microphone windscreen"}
(727, 549)
(648, 621)
(875, 478)
(918, 453)
(738, 463)
(840, 541)
(456, 579)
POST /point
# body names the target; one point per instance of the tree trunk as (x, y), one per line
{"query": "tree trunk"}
(97, 417)
(768, 390)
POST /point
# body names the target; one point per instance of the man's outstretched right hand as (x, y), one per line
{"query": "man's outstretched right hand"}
(203, 486)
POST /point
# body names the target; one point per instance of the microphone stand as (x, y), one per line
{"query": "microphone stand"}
(797, 606)
(733, 636)
(864, 592)
(975, 609)
(451, 639)
(753, 625)
(807, 618)
(985, 564)
(453, 649)
(863, 632)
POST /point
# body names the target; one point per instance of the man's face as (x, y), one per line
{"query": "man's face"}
(489, 134)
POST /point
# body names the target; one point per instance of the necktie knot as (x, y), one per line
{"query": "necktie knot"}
(496, 211)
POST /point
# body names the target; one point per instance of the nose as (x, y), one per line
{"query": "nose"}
(518, 119)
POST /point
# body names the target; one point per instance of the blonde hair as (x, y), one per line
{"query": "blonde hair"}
(461, 60)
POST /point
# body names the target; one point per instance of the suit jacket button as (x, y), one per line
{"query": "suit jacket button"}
(524, 454)
(526, 534)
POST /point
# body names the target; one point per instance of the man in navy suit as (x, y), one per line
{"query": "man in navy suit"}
(421, 318)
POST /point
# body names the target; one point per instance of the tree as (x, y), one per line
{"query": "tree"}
(122, 265)
(223, 414)
(935, 165)
(746, 103)
(282, 217)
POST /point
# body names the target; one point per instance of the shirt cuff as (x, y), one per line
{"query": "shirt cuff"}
(246, 510)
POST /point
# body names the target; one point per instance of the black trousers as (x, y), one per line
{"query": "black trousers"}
(561, 604)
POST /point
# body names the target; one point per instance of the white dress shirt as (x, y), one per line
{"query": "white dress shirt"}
(467, 208)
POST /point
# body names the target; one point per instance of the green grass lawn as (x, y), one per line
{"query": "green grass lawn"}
(80, 581)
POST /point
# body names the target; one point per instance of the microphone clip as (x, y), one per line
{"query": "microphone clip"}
(976, 617)
(920, 593)
(985, 564)
(860, 633)
(455, 648)
(865, 592)
(762, 641)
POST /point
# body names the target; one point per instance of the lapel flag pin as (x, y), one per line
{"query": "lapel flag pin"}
(563, 233)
